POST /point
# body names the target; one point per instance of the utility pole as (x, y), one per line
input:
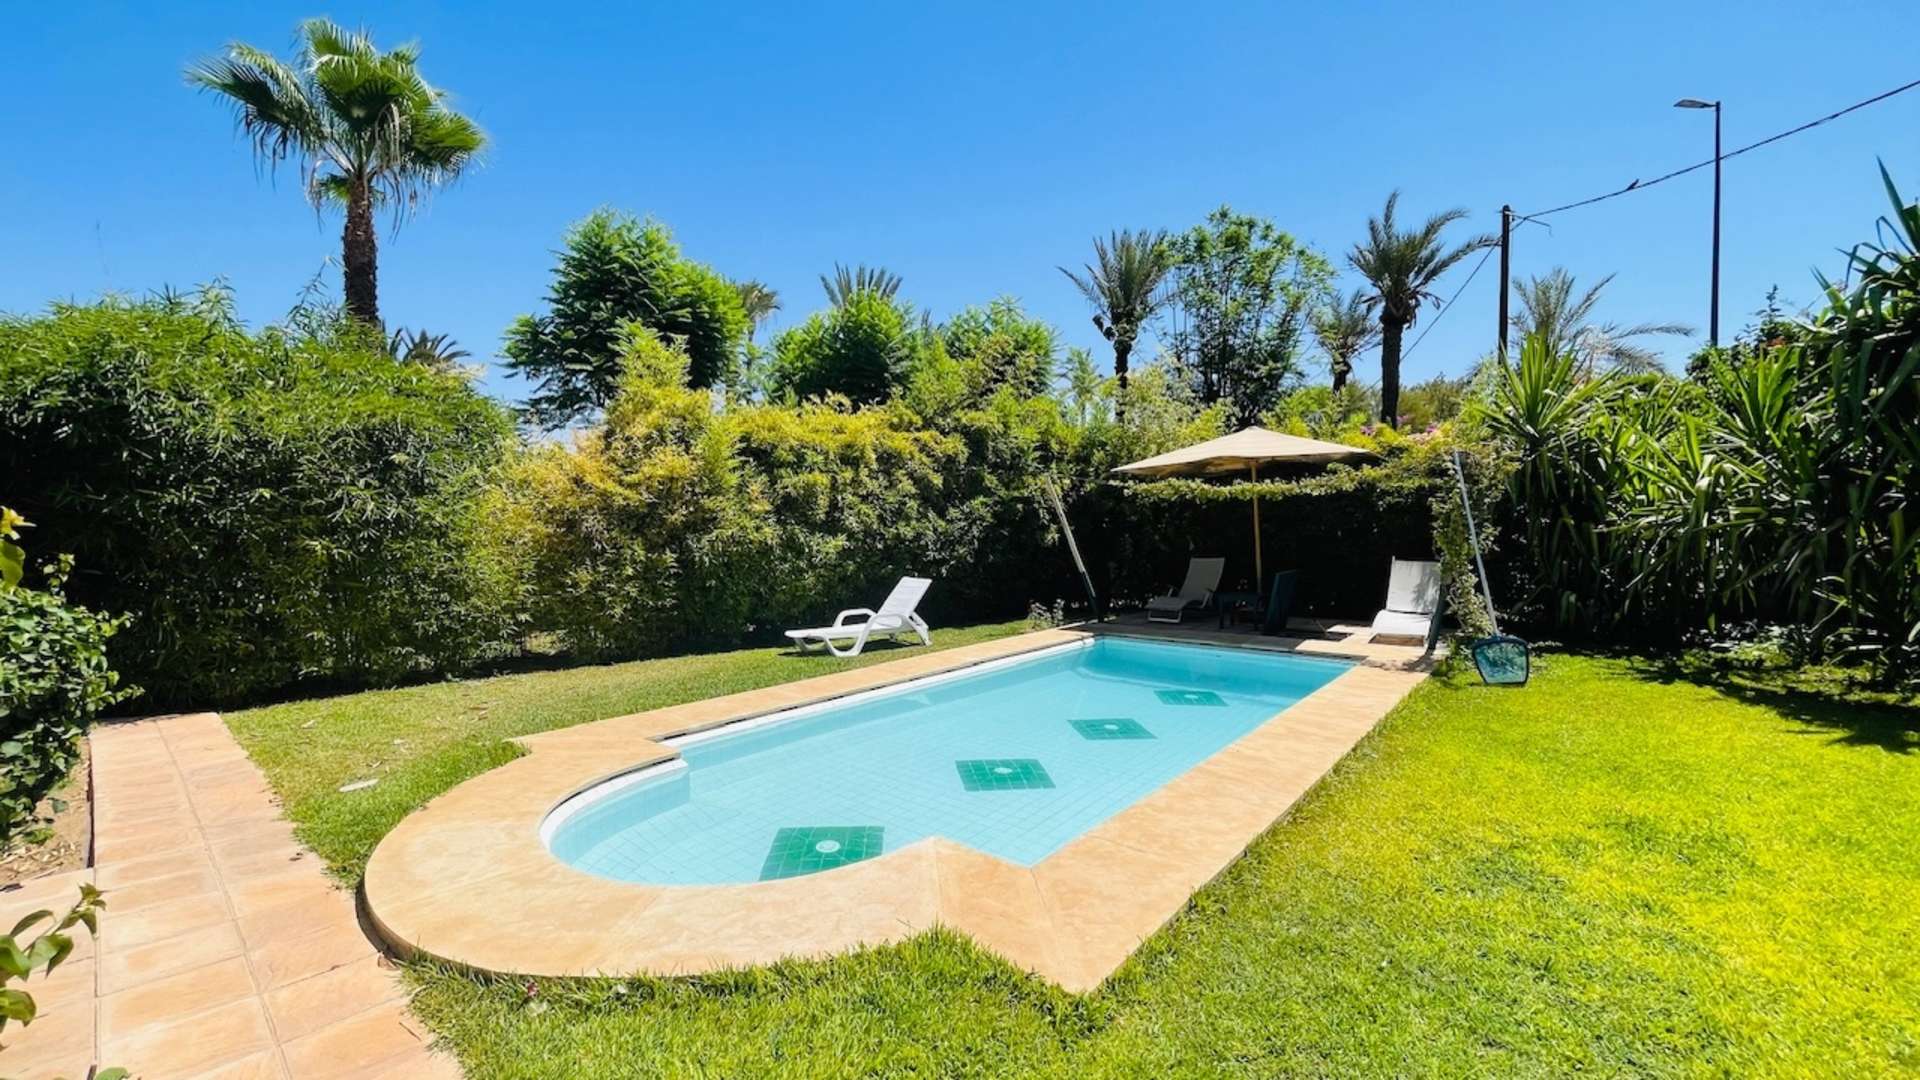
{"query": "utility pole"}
(1506, 263)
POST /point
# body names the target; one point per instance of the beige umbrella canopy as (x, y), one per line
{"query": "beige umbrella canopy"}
(1244, 451)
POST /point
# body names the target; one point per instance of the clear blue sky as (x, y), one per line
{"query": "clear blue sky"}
(971, 149)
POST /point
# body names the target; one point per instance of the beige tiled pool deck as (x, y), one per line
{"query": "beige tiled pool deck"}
(468, 880)
(225, 950)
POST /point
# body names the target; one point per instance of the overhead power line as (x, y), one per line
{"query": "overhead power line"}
(1641, 185)
(1448, 306)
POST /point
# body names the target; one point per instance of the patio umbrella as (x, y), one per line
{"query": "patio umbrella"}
(1244, 451)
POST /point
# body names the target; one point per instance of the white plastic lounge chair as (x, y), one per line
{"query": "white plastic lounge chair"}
(1203, 577)
(894, 618)
(1413, 592)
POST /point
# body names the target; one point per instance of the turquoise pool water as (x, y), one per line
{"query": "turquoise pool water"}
(1015, 758)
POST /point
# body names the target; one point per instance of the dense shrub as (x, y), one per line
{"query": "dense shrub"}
(54, 680)
(1774, 486)
(272, 506)
(643, 533)
(862, 349)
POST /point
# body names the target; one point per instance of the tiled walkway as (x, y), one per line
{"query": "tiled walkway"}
(225, 950)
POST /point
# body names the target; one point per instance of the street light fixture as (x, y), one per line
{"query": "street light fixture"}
(1713, 326)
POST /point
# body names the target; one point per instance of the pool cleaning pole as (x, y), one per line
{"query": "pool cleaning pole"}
(1060, 509)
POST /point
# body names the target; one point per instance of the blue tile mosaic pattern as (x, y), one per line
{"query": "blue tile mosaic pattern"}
(1003, 774)
(888, 761)
(1112, 727)
(1190, 697)
(810, 849)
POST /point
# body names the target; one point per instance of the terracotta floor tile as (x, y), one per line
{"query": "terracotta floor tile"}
(282, 962)
(173, 999)
(274, 863)
(299, 918)
(72, 983)
(112, 847)
(375, 1038)
(262, 1066)
(227, 1033)
(59, 1042)
(125, 899)
(127, 872)
(127, 930)
(121, 969)
(268, 893)
(301, 1008)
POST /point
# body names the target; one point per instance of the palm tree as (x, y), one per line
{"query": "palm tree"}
(1124, 283)
(1402, 266)
(846, 284)
(1549, 309)
(365, 128)
(759, 300)
(438, 351)
(1345, 330)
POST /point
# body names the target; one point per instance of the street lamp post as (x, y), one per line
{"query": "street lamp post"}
(1713, 325)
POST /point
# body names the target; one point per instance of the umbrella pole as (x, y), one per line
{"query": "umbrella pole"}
(1259, 572)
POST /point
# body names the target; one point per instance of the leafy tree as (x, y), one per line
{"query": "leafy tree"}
(1401, 266)
(1550, 310)
(846, 284)
(758, 301)
(863, 349)
(1435, 401)
(1124, 283)
(1241, 299)
(1345, 329)
(366, 128)
(614, 271)
(1000, 346)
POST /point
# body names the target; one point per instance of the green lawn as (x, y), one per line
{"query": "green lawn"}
(1617, 870)
(421, 740)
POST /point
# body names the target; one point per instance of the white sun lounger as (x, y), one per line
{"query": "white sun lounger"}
(894, 618)
(1413, 593)
(1203, 577)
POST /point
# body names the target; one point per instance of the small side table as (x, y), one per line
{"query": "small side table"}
(1231, 605)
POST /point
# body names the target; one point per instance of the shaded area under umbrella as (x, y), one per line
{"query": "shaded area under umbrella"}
(1243, 452)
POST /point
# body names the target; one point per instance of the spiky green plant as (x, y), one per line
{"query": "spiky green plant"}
(365, 126)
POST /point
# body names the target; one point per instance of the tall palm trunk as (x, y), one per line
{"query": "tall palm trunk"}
(1341, 369)
(359, 251)
(1390, 331)
(1122, 348)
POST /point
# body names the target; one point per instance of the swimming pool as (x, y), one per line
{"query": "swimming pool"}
(1015, 758)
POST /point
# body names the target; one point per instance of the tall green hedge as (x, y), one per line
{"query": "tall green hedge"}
(272, 507)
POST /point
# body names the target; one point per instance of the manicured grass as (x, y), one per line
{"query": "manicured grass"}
(419, 741)
(1617, 870)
